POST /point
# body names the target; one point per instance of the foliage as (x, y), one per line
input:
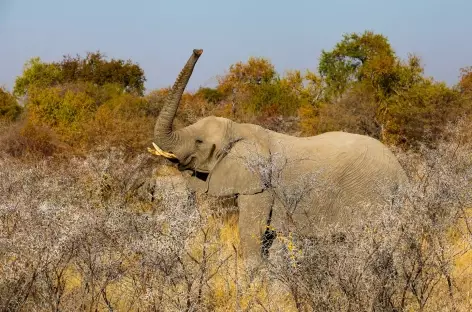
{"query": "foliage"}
(356, 112)
(369, 90)
(10, 110)
(124, 120)
(369, 59)
(39, 74)
(362, 87)
(244, 76)
(94, 68)
(356, 58)
(421, 113)
(83, 115)
(61, 108)
(255, 90)
(255, 87)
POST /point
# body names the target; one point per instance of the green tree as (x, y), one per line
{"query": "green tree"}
(358, 57)
(94, 68)
(97, 69)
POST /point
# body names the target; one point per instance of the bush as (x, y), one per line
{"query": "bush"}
(421, 113)
(39, 74)
(62, 108)
(123, 121)
(10, 110)
(83, 115)
(24, 139)
(356, 112)
(211, 95)
(255, 89)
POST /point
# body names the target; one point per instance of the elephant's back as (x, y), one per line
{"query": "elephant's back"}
(347, 172)
(331, 146)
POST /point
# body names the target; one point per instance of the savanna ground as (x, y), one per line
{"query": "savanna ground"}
(90, 221)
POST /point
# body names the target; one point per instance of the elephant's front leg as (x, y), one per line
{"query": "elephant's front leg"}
(254, 213)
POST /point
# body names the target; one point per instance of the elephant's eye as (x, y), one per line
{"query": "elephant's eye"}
(199, 141)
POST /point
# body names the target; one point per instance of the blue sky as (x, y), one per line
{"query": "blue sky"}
(160, 35)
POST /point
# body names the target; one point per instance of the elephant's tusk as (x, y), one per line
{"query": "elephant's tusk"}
(159, 152)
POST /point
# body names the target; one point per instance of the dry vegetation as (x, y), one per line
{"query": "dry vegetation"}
(91, 222)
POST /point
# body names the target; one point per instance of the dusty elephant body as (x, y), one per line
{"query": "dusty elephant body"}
(281, 182)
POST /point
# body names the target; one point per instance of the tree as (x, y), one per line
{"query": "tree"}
(244, 76)
(93, 68)
(96, 69)
(358, 57)
(256, 87)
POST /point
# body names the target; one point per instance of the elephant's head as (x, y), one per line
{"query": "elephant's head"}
(213, 149)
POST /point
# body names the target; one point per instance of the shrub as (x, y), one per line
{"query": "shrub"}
(39, 74)
(83, 115)
(24, 139)
(255, 89)
(123, 121)
(421, 113)
(211, 95)
(10, 110)
(356, 112)
(62, 108)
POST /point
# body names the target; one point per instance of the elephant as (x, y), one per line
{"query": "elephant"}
(281, 183)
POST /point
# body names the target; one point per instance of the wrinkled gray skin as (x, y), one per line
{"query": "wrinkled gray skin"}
(286, 182)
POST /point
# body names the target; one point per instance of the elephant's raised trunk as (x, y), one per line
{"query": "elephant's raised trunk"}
(163, 129)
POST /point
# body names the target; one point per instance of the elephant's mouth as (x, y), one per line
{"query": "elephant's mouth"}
(188, 165)
(192, 170)
(201, 175)
(173, 160)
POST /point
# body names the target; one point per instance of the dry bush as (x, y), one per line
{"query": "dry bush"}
(10, 110)
(24, 139)
(96, 233)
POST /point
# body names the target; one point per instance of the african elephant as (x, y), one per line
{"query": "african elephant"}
(280, 182)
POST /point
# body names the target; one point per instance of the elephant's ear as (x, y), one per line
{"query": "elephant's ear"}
(240, 171)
